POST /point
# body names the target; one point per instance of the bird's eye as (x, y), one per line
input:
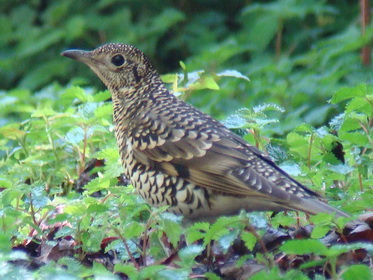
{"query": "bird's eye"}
(117, 60)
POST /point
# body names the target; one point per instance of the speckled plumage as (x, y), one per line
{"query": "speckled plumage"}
(178, 156)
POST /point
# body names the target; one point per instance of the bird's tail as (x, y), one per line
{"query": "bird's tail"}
(315, 206)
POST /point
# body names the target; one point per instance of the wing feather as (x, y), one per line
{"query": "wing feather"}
(211, 156)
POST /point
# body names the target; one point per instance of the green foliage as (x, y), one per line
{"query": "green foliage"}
(316, 247)
(48, 147)
(306, 82)
(315, 48)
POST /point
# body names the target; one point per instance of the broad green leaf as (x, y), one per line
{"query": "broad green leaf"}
(97, 208)
(204, 82)
(169, 78)
(357, 272)
(12, 131)
(127, 269)
(211, 276)
(302, 247)
(320, 231)
(173, 274)
(75, 136)
(349, 92)
(189, 253)
(133, 230)
(104, 110)
(173, 231)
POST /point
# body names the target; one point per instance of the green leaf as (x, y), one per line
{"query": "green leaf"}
(97, 184)
(349, 92)
(212, 276)
(127, 269)
(314, 263)
(302, 247)
(205, 82)
(227, 240)
(169, 78)
(106, 110)
(97, 208)
(102, 96)
(232, 73)
(249, 239)
(340, 249)
(173, 231)
(357, 272)
(188, 254)
(133, 229)
(75, 135)
(320, 231)
(5, 241)
(183, 66)
(173, 274)
(219, 228)
(43, 112)
(196, 232)
(322, 218)
(77, 92)
(356, 138)
(12, 131)
(298, 144)
(360, 105)
(150, 272)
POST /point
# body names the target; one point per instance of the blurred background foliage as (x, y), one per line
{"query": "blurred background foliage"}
(57, 147)
(297, 53)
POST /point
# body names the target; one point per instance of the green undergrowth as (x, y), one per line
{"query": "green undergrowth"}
(61, 180)
(67, 212)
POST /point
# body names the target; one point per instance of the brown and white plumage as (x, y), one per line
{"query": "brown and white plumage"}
(178, 156)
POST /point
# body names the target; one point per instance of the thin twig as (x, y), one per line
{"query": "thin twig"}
(365, 20)
(127, 248)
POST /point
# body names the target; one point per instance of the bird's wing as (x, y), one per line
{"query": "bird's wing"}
(196, 147)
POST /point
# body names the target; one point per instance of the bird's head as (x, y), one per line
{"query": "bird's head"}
(119, 66)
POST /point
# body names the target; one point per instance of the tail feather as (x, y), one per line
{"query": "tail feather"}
(315, 206)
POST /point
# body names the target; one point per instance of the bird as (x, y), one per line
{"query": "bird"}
(178, 156)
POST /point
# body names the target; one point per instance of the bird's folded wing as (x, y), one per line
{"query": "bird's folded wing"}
(213, 158)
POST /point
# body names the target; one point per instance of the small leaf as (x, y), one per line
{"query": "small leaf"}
(173, 274)
(75, 135)
(173, 231)
(41, 112)
(102, 96)
(212, 276)
(133, 229)
(104, 111)
(169, 78)
(206, 82)
(197, 232)
(348, 93)
(12, 131)
(127, 269)
(79, 93)
(302, 247)
(249, 239)
(232, 73)
(188, 254)
(320, 231)
(97, 208)
(357, 272)
(183, 66)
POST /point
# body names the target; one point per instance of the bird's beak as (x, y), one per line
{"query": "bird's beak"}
(79, 55)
